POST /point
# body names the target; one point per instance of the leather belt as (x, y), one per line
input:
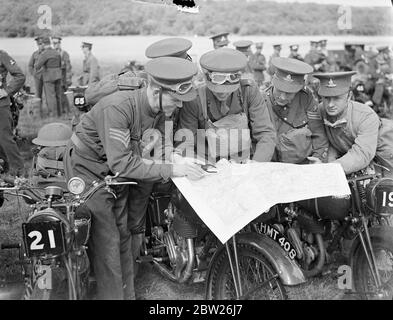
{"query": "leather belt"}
(82, 147)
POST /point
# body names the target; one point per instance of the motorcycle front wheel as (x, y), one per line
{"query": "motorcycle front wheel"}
(362, 277)
(259, 280)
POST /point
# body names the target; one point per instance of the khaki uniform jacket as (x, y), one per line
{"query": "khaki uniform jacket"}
(295, 56)
(8, 65)
(91, 70)
(32, 65)
(358, 137)
(112, 130)
(262, 132)
(298, 112)
(258, 65)
(66, 68)
(50, 63)
(271, 69)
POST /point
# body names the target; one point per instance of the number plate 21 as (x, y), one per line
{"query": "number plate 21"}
(43, 238)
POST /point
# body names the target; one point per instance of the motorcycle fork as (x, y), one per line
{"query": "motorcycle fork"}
(370, 256)
(235, 273)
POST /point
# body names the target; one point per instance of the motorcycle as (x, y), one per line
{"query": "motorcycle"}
(53, 256)
(183, 249)
(312, 230)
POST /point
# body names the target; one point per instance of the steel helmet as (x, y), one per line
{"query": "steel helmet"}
(54, 134)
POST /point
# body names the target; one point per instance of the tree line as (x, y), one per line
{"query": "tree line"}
(125, 17)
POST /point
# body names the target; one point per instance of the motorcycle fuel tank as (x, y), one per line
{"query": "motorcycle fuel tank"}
(327, 208)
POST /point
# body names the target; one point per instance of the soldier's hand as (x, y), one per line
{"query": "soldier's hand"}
(3, 93)
(189, 170)
(314, 160)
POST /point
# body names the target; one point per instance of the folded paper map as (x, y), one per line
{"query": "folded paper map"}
(230, 199)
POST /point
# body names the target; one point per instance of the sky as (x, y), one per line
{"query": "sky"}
(361, 3)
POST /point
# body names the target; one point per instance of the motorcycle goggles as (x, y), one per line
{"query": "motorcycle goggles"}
(222, 78)
(182, 91)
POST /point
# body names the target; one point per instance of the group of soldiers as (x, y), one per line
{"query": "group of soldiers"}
(370, 65)
(51, 69)
(148, 121)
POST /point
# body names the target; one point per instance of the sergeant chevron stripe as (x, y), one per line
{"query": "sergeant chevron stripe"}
(120, 135)
(314, 115)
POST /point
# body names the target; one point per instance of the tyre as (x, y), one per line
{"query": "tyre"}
(362, 277)
(254, 270)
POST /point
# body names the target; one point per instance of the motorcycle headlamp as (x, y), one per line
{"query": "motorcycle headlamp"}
(76, 185)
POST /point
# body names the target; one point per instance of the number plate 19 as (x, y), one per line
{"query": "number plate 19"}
(43, 238)
(384, 200)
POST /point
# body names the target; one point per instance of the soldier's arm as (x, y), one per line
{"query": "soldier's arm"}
(262, 129)
(96, 90)
(18, 78)
(31, 65)
(114, 131)
(364, 148)
(68, 66)
(190, 120)
(94, 71)
(319, 139)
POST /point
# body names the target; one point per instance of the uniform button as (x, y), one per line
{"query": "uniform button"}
(285, 108)
(285, 119)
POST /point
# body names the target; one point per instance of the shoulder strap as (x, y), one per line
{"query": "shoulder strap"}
(202, 97)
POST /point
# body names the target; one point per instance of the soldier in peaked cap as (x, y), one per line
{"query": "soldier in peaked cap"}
(49, 63)
(276, 54)
(131, 80)
(220, 40)
(66, 71)
(258, 64)
(107, 141)
(356, 134)
(289, 103)
(294, 54)
(91, 68)
(169, 47)
(37, 76)
(226, 98)
(244, 46)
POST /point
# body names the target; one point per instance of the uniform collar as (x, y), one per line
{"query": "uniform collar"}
(147, 112)
(341, 120)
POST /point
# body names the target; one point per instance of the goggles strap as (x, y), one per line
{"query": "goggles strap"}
(160, 100)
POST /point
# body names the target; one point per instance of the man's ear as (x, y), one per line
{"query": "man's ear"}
(155, 91)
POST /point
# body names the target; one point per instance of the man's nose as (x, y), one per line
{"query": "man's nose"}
(330, 103)
(283, 96)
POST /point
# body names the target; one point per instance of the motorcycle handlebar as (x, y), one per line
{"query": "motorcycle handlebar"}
(361, 178)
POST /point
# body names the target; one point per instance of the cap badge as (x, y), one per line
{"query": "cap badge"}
(288, 78)
(331, 84)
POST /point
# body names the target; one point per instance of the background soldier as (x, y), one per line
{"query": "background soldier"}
(50, 63)
(258, 64)
(294, 52)
(66, 71)
(276, 53)
(7, 143)
(37, 76)
(91, 68)
(220, 40)
(244, 46)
